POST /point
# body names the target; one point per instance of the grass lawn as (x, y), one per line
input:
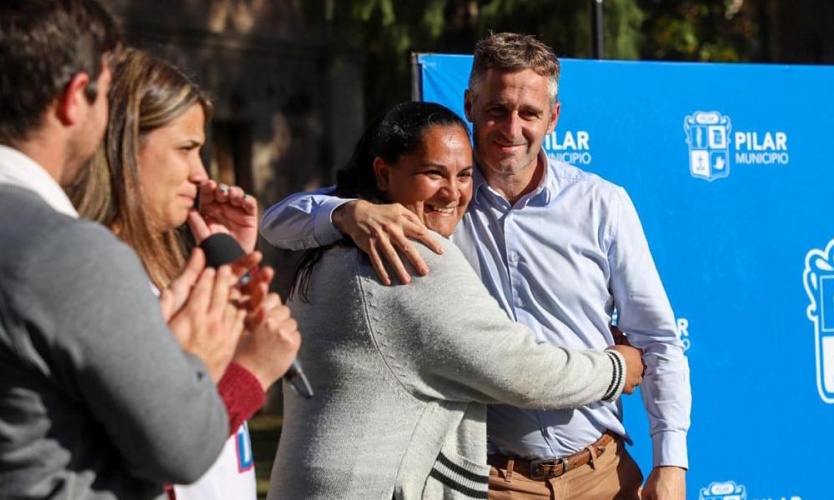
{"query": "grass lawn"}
(264, 431)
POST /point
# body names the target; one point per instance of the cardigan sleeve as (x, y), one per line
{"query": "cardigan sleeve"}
(241, 393)
(444, 337)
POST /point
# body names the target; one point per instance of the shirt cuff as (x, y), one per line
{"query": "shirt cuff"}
(323, 229)
(670, 449)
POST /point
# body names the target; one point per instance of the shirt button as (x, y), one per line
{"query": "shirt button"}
(514, 257)
(519, 302)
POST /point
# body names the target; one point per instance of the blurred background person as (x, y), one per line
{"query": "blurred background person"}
(143, 185)
(97, 400)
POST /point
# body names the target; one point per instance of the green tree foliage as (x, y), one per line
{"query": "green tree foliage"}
(389, 31)
(687, 30)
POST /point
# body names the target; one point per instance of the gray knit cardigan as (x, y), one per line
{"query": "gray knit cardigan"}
(402, 375)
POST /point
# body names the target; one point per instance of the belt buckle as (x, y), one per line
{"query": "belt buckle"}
(536, 467)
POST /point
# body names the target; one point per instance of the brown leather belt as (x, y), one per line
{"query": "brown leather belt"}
(554, 467)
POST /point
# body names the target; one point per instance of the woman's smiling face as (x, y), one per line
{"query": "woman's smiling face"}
(435, 181)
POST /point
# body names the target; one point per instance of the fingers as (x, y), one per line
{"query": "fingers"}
(213, 193)
(413, 256)
(210, 324)
(249, 204)
(383, 232)
(634, 366)
(263, 276)
(271, 309)
(195, 265)
(234, 319)
(166, 304)
(220, 293)
(415, 230)
(257, 289)
(411, 226)
(390, 254)
(271, 306)
(221, 194)
(270, 348)
(226, 321)
(230, 210)
(187, 323)
(245, 264)
(378, 265)
(198, 226)
(207, 190)
(200, 297)
(178, 290)
(235, 196)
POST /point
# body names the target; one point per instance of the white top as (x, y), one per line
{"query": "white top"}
(17, 169)
(232, 477)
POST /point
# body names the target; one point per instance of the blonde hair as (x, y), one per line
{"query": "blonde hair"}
(146, 94)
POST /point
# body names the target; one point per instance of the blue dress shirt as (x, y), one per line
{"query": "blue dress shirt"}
(560, 260)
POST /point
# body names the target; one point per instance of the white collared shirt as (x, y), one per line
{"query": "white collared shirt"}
(17, 169)
(559, 261)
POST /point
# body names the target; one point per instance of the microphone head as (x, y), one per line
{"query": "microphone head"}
(221, 249)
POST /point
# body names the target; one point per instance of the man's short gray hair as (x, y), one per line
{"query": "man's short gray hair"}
(512, 52)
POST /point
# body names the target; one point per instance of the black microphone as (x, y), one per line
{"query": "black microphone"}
(220, 249)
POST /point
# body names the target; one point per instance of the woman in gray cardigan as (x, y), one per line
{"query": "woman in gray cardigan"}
(403, 374)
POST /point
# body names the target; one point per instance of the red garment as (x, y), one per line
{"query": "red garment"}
(241, 393)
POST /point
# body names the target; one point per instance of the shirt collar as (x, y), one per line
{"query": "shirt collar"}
(17, 169)
(541, 195)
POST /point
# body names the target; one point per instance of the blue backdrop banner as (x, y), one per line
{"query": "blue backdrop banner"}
(728, 167)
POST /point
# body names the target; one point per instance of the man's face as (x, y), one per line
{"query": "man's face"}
(511, 114)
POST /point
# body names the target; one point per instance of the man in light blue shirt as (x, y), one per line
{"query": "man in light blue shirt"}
(556, 247)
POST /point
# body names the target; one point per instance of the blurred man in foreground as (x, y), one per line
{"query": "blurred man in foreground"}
(97, 399)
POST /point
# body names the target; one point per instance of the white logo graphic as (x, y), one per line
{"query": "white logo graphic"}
(727, 490)
(708, 136)
(818, 279)
(571, 146)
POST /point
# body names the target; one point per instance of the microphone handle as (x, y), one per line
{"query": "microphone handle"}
(298, 381)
